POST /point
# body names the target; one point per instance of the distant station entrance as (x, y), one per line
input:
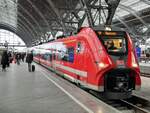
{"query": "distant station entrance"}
(11, 41)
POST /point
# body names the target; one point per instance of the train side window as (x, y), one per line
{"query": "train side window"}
(65, 56)
(69, 55)
(50, 57)
(79, 47)
(59, 55)
(45, 56)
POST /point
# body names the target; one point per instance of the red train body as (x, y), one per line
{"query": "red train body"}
(86, 60)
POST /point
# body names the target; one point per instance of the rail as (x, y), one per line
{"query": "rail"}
(145, 74)
(133, 105)
(138, 104)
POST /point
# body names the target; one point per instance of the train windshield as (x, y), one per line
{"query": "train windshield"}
(114, 43)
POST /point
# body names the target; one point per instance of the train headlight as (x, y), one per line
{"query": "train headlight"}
(135, 65)
(102, 65)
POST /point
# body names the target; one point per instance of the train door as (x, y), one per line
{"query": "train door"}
(81, 61)
(50, 58)
(54, 59)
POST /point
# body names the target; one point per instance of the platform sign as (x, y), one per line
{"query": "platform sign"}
(110, 33)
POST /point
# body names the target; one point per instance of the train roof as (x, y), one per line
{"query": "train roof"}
(97, 28)
(103, 28)
(107, 28)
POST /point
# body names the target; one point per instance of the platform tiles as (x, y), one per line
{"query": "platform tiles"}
(44, 92)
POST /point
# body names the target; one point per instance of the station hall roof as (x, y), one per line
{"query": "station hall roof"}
(36, 20)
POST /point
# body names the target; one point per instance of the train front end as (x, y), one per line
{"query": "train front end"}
(123, 74)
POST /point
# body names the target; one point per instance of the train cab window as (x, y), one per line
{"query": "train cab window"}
(114, 44)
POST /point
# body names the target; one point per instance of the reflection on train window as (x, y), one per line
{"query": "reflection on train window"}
(46, 56)
(59, 55)
(69, 55)
(115, 44)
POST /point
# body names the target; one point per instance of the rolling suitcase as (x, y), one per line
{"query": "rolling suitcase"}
(33, 68)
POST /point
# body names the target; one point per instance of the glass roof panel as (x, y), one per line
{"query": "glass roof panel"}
(129, 2)
(140, 6)
(120, 12)
(136, 5)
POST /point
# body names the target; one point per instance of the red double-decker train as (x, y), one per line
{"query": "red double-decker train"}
(101, 59)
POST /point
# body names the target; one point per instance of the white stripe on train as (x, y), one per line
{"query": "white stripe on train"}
(80, 73)
(75, 71)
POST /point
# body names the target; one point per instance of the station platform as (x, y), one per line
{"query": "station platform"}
(145, 88)
(144, 67)
(44, 92)
(30, 92)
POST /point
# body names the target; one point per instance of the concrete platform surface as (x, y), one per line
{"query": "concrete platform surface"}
(145, 88)
(44, 92)
(144, 67)
(29, 92)
(144, 64)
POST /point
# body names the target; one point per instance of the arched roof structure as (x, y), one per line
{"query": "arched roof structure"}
(39, 20)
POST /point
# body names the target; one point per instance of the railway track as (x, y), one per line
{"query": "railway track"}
(133, 105)
(145, 74)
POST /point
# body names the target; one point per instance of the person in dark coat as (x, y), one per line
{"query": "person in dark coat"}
(29, 60)
(9, 59)
(18, 57)
(4, 60)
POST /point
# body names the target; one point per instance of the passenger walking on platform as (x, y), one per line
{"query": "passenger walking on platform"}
(4, 60)
(9, 58)
(18, 57)
(29, 60)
